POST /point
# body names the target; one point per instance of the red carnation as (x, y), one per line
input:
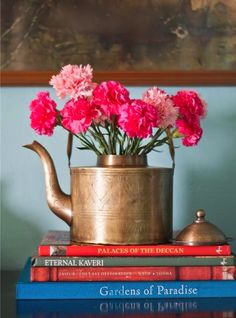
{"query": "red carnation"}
(190, 105)
(43, 114)
(192, 133)
(137, 118)
(191, 110)
(109, 96)
(78, 115)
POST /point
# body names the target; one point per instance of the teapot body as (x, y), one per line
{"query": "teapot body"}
(121, 205)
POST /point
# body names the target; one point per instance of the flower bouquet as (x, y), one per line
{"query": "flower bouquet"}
(106, 120)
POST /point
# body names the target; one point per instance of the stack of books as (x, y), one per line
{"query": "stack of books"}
(63, 271)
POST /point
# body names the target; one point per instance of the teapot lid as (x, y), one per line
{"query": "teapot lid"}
(201, 232)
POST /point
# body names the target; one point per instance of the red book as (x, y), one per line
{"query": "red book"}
(58, 243)
(133, 250)
(147, 250)
(157, 273)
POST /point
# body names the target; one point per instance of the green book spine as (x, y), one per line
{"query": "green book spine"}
(133, 261)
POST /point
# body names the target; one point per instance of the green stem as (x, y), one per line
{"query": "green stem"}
(86, 142)
(149, 146)
(130, 146)
(136, 145)
(97, 128)
(98, 135)
(111, 138)
(158, 143)
(83, 140)
(122, 143)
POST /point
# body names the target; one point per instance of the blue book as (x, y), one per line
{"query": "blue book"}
(118, 290)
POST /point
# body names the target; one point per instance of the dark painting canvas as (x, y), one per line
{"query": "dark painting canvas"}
(119, 35)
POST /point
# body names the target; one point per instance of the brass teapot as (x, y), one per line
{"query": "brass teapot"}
(120, 201)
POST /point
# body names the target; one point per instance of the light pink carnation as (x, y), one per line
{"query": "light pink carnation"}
(137, 118)
(190, 105)
(73, 80)
(43, 114)
(109, 96)
(192, 132)
(78, 115)
(166, 111)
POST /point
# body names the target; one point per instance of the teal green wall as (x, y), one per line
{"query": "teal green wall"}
(205, 176)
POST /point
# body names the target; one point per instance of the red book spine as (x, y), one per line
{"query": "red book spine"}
(207, 273)
(132, 273)
(102, 274)
(44, 250)
(134, 250)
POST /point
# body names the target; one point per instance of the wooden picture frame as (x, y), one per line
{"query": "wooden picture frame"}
(195, 78)
(167, 42)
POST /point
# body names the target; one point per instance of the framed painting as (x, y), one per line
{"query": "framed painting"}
(161, 42)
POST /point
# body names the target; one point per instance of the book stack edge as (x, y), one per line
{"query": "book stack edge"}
(60, 270)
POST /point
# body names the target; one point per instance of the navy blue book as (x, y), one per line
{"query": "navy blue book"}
(118, 290)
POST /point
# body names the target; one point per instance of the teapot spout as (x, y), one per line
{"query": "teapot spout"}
(58, 201)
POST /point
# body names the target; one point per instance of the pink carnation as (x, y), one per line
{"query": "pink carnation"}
(190, 105)
(73, 80)
(166, 111)
(109, 96)
(78, 115)
(43, 114)
(137, 118)
(192, 133)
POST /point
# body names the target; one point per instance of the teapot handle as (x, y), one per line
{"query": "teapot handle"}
(171, 147)
(69, 147)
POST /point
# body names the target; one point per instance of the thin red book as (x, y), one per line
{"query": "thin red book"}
(58, 243)
(132, 273)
